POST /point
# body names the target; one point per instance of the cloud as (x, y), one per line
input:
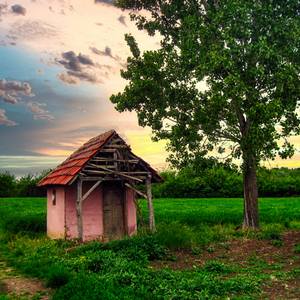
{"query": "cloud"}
(108, 52)
(18, 9)
(79, 68)
(66, 78)
(11, 91)
(3, 9)
(74, 62)
(39, 112)
(4, 120)
(121, 19)
(109, 2)
(33, 30)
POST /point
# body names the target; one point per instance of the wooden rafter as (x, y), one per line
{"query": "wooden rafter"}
(91, 190)
(112, 172)
(136, 190)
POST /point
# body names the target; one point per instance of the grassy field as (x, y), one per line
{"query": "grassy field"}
(198, 252)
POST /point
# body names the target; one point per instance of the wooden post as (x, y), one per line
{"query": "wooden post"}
(79, 209)
(150, 204)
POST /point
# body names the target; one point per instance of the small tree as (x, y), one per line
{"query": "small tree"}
(225, 78)
(7, 184)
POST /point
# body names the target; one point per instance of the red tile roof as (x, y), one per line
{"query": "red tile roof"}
(66, 171)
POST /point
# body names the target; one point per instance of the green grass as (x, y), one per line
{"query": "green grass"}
(122, 269)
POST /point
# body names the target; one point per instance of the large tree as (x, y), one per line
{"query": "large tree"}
(225, 78)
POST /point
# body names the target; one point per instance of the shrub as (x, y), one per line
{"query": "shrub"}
(216, 267)
(175, 235)
(297, 248)
(271, 231)
(3, 288)
(30, 223)
(57, 276)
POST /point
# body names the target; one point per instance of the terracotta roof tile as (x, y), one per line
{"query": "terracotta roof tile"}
(66, 171)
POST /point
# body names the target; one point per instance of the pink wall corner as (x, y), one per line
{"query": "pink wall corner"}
(92, 213)
(56, 212)
(130, 212)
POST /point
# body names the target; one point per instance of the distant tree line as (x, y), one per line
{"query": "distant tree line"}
(208, 179)
(212, 179)
(26, 186)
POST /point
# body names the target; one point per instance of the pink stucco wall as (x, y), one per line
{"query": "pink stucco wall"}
(91, 213)
(62, 217)
(130, 212)
(56, 213)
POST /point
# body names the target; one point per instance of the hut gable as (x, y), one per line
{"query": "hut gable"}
(106, 155)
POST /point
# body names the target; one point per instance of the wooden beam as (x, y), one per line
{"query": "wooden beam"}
(116, 146)
(131, 161)
(114, 172)
(108, 150)
(91, 190)
(136, 190)
(150, 204)
(79, 209)
(91, 165)
(90, 178)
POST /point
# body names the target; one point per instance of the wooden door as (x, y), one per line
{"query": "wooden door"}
(113, 211)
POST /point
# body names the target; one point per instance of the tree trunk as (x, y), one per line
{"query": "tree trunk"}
(251, 219)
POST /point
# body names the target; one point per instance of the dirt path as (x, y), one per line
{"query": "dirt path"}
(14, 285)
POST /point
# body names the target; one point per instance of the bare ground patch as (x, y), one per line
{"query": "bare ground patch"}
(14, 284)
(240, 252)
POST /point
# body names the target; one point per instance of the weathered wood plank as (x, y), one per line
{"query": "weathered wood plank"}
(91, 190)
(79, 209)
(150, 204)
(136, 190)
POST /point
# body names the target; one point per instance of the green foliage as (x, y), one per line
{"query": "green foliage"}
(26, 223)
(215, 266)
(26, 186)
(16, 220)
(175, 235)
(247, 55)
(57, 276)
(7, 184)
(271, 231)
(297, 249)
(2, 288)
(223, 181)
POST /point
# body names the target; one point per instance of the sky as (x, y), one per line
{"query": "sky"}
(60, 61)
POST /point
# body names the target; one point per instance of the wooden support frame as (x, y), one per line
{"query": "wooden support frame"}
(79, 209)
(112, 172)
(136, 190)
(79, 201)
(91, 190)
(150, 204)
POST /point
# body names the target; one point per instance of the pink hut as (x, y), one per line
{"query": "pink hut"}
(92, 194)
